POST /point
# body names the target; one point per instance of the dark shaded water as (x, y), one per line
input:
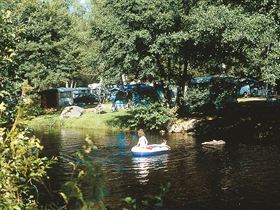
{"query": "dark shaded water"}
(236, 176)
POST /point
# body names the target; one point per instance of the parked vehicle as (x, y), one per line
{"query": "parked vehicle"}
(86, 99)
(80, 91)
(83, 96)
(57, 97)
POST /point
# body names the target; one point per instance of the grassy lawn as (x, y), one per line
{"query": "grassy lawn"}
(105, 121)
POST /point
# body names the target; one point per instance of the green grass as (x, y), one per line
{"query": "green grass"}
(89, 119)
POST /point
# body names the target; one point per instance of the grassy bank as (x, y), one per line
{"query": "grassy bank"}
(89, 119)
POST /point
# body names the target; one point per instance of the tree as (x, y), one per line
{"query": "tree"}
(20, 165)
(9, 84)
(244, 42)
(45, 43)
(175, 40)
(265, 59)
(54, 44)
(141, 39)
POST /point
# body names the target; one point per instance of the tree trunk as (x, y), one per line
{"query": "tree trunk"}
(181, 85)
(72, 84)
(124, 80)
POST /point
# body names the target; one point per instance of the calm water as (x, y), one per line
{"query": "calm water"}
(236, 176)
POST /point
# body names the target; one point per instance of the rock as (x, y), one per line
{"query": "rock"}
(99, 109)
(71, 111)
(189, 124)
(162, 132)
(175, 128)
(184, 126)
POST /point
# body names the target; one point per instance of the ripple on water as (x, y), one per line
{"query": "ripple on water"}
(236, 176)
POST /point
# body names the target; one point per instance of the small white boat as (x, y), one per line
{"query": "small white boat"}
(214, 142)
(152, 149)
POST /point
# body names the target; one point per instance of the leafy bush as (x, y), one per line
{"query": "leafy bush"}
(153, 116)
(224, 98)
(33, 107)
(213, 97)
(21, 168)
(149, 201)
(196, 98)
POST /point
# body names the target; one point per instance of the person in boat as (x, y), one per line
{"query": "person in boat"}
(142, 142)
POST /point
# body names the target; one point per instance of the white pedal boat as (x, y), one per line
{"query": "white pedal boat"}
(151, 149)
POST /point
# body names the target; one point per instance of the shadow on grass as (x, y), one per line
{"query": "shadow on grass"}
(120, 121)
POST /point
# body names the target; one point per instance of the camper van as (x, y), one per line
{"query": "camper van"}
(57, 97)
(83, 96)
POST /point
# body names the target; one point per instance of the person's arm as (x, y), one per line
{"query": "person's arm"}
(138, 144)
(146, 141)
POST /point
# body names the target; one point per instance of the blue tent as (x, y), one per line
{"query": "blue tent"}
(200, 80)
(126, 95)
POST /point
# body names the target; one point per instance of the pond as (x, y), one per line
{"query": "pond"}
(235, 176)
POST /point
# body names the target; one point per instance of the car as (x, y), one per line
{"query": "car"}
(86, 99)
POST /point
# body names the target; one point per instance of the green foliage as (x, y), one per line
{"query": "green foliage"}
(85, 173)
(43, 43)
(215, 95)
(175, 40)
(153, 116)
(51, 43)
(33, 107)
(21, 167)
(196, 98)
(149, 201)
(130, 202)
(242, 41)
(8, 82)
(224, 98)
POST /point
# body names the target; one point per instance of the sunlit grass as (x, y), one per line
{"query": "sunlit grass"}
(89, 120)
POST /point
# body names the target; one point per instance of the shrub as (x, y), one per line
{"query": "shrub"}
(153, 116)
(33, 106)
(197, 99)
(21, 168)
(209, 98)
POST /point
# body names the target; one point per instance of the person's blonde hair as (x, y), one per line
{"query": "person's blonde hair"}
(141, 132)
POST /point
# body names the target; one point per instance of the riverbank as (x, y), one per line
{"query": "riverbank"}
(89, 119)
(257, 120)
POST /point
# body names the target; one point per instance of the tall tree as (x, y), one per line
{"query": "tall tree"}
(142, 39)
(174, 40)
(9, 83)
(54, 44)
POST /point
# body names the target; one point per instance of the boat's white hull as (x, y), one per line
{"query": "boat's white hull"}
(152, 149)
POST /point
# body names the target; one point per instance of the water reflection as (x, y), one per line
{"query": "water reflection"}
(143, 165)
(236, 176)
